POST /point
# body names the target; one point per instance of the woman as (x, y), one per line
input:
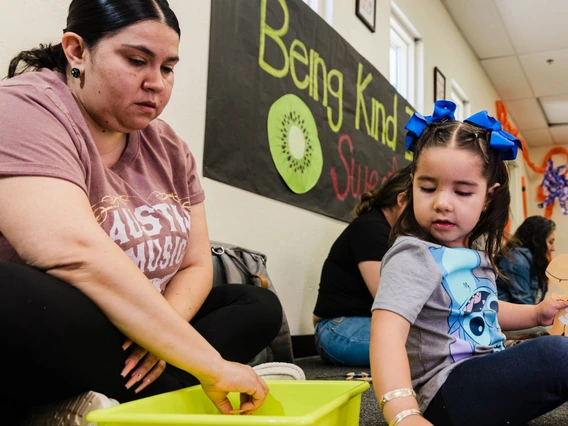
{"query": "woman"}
(525, 265)
(97, 199)
(351, 273)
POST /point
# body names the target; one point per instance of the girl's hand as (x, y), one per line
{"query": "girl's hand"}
(235, 377)
(143, 366)
(547, 309)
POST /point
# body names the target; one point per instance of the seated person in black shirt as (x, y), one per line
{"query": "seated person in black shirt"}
(351, 273)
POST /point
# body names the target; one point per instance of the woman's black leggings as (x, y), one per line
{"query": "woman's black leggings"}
(56, 343)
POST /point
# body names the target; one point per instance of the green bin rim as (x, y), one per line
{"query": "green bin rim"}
(352, 389)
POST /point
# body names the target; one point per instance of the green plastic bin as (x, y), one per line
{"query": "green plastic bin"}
(290, 402)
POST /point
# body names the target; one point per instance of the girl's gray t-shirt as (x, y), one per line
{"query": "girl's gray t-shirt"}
(142, 202)
(450, 299)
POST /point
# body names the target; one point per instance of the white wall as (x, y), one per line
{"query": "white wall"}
(296, 241)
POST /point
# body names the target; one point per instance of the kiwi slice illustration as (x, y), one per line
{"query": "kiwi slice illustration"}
(294, 143)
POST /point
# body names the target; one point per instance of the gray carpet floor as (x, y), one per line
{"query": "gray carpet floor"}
(316, 369)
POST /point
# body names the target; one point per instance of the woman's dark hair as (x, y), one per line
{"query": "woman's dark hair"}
(532, 234)
(493, 219)
(386, 196)
(93, 20)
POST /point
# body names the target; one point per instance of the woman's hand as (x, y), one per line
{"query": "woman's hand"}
(547, 309)
(234, 377)
(143, 365)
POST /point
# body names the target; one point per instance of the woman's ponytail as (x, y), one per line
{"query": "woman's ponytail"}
(48, 56)
(368, 200)
(386, 197)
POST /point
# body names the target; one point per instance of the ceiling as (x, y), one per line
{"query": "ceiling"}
(523, 47)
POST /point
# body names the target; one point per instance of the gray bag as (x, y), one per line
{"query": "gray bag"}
(237, 265)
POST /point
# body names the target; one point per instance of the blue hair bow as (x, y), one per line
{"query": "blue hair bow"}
(500, 140)
(417, 123)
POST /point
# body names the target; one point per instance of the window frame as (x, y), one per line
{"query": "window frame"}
(460, 98)
(323, 8)
(414, 61)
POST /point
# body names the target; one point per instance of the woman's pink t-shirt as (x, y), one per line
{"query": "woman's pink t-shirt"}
(142, 202)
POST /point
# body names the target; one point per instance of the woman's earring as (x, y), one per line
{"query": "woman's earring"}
(75, 73)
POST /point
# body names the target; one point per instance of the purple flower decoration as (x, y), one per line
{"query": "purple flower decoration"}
(555, 186)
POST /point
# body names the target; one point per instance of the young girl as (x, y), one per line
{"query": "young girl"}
(438, 297)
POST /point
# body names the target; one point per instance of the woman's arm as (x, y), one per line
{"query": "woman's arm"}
(389, 364)
(371, 272)
(50, 224)
(191, 285)
(186, 292)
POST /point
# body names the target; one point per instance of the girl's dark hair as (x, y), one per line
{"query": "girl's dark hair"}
(532, 234)
(386, 196)
(93, 20)
(492, 222)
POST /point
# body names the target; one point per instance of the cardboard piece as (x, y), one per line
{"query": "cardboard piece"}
(557, 272)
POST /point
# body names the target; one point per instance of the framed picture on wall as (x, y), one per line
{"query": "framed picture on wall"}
(365, 10)
(439, 85)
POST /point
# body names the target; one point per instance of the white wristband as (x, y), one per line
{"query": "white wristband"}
(397, 393)
(403, 414)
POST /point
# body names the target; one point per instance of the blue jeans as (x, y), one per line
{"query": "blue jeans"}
(344, 340)
(510, 387)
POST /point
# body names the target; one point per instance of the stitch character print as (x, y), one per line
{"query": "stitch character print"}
(474, 304)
